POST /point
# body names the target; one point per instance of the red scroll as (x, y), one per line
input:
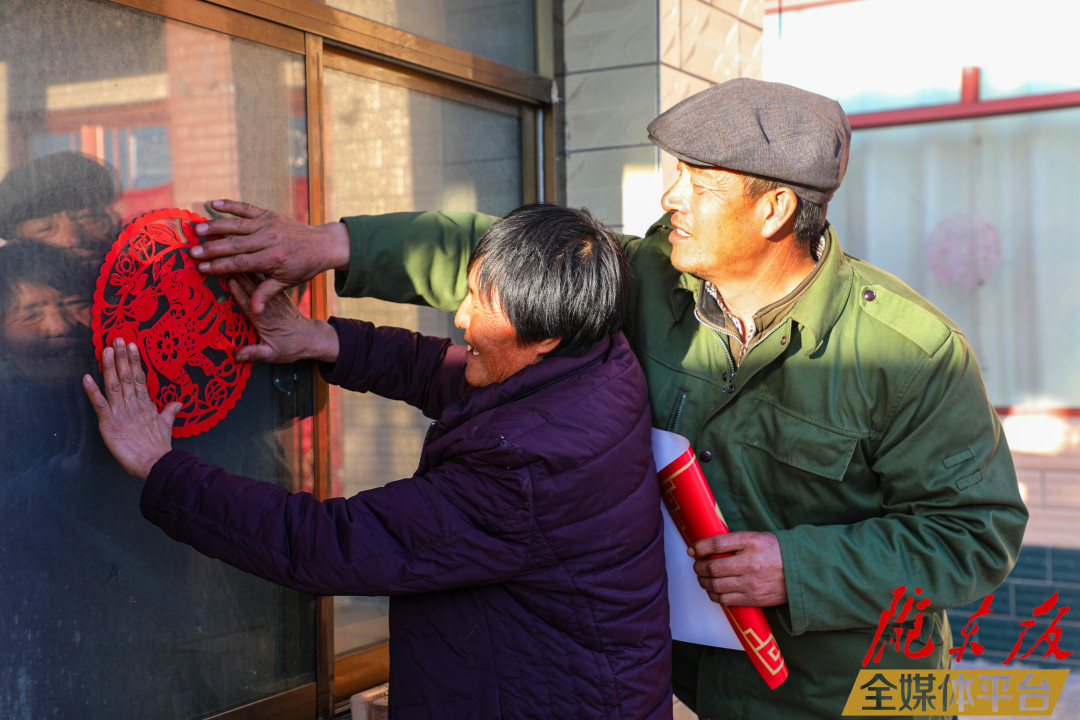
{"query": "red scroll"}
(186, 324)
(695, 513)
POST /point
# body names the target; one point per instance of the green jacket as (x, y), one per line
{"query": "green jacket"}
(858, 430)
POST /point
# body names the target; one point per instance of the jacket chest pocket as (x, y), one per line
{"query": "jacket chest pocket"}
(678, 407)
(797, 443)
(792, 472)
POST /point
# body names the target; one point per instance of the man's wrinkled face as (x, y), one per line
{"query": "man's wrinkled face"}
(87, 231)
(46, 332)
(715, 222)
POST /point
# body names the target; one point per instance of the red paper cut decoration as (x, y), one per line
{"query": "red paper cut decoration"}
(186, 324)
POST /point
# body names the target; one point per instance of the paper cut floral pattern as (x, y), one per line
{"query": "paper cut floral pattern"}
(186, 324)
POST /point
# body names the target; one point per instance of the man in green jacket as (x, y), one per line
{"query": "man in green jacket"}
(840, 419)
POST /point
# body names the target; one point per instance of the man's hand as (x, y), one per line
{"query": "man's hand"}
(285, 334)
(133, 429)
(285, 251)
(752, 574)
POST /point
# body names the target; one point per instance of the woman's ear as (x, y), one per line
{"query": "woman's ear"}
(543, 347)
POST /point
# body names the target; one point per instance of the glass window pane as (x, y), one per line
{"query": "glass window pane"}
(501, 30)
(970, 214)
(393, 149)
(101, 614)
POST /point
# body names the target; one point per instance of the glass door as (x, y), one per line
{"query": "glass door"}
(107, 113)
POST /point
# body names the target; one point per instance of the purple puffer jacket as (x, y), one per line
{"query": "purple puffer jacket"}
(524, 559)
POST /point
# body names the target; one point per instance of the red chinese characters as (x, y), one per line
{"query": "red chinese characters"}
(186, 324)
(970, 628)
(897, 614)
(1051, 635)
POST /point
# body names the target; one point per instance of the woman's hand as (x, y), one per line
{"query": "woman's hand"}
(285, 335)
(133, 429)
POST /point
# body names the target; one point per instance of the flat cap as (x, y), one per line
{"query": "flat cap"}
(762, 128)
(65, 180)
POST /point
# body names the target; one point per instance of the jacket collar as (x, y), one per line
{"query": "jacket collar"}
(522, 383)
(820, 306)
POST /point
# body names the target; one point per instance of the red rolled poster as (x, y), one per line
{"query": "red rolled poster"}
(695, 513)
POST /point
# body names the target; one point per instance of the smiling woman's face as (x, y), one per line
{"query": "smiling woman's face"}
(45, 332)
(494, 353)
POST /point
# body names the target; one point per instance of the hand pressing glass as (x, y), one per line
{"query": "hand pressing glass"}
(133, 429)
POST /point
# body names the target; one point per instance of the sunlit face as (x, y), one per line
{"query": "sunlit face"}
(46, 333)
(716, 231)
(494, 353)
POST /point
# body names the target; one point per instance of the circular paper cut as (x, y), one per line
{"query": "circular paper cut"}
(963, 250)
(186, 324)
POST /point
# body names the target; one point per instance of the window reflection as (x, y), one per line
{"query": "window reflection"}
(101, 614)
(45, 298)
(66, 199)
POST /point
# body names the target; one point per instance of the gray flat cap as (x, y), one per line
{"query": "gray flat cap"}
(65, 180)
(762, 128)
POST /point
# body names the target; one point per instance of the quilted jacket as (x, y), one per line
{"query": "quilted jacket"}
(524, 557)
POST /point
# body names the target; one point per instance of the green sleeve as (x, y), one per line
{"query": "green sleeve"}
(953, 517)
(418, 258)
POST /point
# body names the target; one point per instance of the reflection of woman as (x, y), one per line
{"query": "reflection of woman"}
(44, 333)
(524, 557)
(78, 576)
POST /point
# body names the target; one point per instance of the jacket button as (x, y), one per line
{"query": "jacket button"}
(783, 340)
(724, 376)
(706, 456)
(869, 295)
(731, 388)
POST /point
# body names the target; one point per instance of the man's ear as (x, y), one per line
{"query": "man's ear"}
(778, 207)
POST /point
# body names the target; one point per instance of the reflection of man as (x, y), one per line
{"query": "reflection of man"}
(64, 199)
(841, 419)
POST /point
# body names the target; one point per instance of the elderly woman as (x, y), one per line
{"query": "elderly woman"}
(524, 558)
